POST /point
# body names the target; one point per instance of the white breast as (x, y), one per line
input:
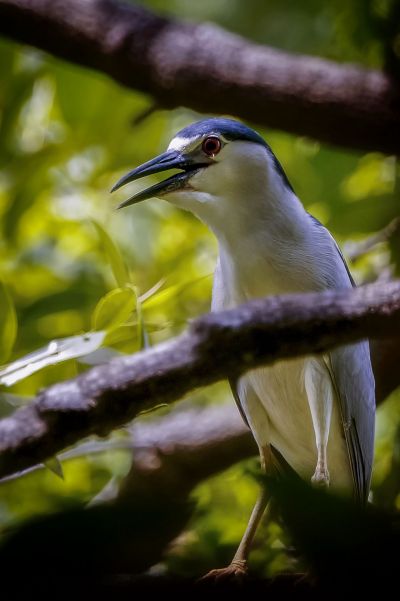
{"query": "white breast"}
(282, 396)
(274, 398)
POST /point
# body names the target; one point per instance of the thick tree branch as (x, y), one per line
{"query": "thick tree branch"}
(210, 70)
(214, 347)
(171, 453)
(174, 453)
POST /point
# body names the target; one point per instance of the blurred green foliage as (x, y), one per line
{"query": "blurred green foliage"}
(70, 264)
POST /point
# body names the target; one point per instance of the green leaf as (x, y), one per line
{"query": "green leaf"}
(122, 333)
(152, 291)
(114, 308)
(115, 258)
(8, 324)
(169, 293)
(143, 336)
(55, 352)
(164, 296)
(16, 400)
(54, 465)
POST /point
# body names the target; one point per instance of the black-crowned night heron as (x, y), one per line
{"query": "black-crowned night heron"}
(318, 412)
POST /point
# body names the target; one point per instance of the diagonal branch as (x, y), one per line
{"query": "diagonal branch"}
(215, 346)
(173, 453)
(211, 70)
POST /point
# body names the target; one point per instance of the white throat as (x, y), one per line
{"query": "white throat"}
(262, 229)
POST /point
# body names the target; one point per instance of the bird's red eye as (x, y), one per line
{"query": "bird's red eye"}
(211, 146)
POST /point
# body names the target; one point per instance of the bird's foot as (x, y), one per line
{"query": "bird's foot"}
(237, 570)
(321, 477)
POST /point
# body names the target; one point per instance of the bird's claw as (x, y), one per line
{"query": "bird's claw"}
(321, 477)
(237, 570)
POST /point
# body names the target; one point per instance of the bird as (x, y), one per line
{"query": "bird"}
(315, 414)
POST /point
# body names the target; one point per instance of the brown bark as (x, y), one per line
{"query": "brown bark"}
(172, 454)
(211, 70)
(215, 346)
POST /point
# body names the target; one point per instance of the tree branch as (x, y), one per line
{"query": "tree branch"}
(211, 70)
(174, 453)
(214, 347)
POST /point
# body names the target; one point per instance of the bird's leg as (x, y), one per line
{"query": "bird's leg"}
(238, 565)
(320, 399)
(321, 474)
(240, 558)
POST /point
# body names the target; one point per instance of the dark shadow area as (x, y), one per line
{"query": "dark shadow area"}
(106, 550)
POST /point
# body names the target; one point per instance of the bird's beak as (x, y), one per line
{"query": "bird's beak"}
(171, 159)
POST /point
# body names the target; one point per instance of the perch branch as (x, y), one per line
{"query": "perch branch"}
(214, 347)
(208, 69)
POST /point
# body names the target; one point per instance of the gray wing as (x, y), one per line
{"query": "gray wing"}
(355, 387)
(353, 379)
(351, 372)
(233, 385)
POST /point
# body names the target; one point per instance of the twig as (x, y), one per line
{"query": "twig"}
(355, 250)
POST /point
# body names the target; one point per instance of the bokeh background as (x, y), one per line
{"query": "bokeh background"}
(71, 264)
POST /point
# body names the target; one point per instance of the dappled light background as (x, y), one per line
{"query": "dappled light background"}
(71, 264)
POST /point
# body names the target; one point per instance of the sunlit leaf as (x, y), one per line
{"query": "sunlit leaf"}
(54, 465)
(115, 258)
(55, 352)
(8, 324)
(114, 308)
(143, 336)
(171, 292)
(9, 402)
(123, 333)
(152, 291)
(108, 493)
(15, 400)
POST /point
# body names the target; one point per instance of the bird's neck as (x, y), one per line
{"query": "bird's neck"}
(260, 250)
(267, 226)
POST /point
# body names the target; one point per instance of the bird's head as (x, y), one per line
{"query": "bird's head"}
(224, 167)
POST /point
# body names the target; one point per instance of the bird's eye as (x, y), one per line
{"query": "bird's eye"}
(211, 146)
